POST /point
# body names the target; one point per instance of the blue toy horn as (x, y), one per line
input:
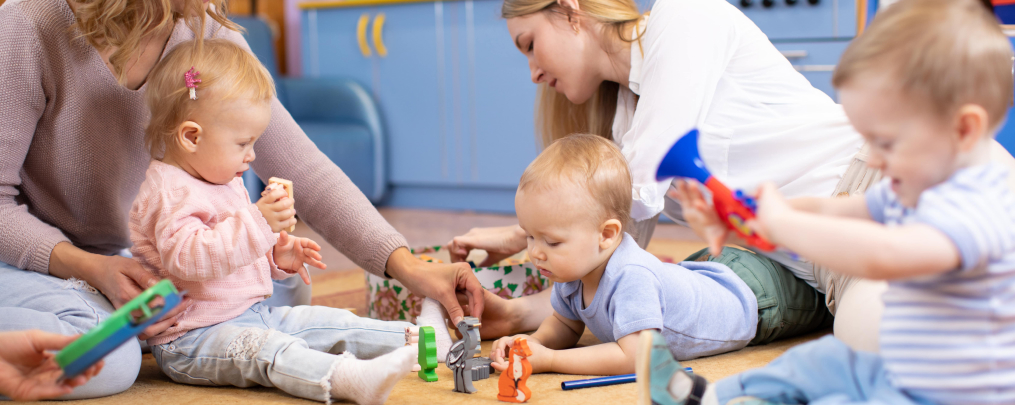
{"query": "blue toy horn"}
(683, 160)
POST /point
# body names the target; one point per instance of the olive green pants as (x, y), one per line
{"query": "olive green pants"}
(787, 306)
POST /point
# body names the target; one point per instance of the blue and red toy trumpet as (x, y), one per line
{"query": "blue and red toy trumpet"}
(734, 208)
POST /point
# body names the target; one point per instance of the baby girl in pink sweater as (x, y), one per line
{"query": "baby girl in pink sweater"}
(193, 223)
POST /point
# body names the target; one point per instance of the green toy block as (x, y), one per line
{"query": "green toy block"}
(427, 354)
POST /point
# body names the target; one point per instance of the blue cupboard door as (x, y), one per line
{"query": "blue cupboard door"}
(331, 46)
(815, 60)
(502, 99)
(410, 93)
(789, 20)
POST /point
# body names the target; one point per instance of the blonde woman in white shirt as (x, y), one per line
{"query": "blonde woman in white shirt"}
(643, 80)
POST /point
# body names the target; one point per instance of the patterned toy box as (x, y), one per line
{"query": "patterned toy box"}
(388, 300)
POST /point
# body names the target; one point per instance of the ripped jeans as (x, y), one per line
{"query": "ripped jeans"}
(291, 348)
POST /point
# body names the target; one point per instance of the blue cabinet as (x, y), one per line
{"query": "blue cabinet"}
(789, 20)
(456, 97)
(502, 97)
(811, 36)
(815, 60)
(454, 93)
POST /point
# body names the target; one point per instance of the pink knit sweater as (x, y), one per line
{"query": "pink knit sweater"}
(72, 154)
(208, 239)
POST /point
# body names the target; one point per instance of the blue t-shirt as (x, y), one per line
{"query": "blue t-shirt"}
(701, 308)
(950, 338)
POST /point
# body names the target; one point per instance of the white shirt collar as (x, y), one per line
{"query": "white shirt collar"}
(637, 57)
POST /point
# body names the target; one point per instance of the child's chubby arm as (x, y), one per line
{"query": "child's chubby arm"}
(701, 216)
(847, 207)
(194, 251)
(553, 350)
(853, 244)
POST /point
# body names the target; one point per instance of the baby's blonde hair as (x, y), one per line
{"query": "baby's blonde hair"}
(227, 72)
(947, 52)
(591, 162)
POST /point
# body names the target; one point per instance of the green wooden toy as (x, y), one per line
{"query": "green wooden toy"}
(126, 323)
(427, 354)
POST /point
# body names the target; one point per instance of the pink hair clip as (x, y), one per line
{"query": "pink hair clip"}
(192, 81)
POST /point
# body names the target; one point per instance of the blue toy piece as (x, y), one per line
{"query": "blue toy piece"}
(126, 323)
(735, 209)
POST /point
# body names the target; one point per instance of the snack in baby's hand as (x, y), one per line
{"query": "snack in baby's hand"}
(287, 185)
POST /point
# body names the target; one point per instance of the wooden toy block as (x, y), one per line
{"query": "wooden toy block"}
(288, 186)
(462, 358)
(427, 354)
(512, 381)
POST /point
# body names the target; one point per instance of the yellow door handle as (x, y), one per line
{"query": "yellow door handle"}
(378, 32)
(361, 35)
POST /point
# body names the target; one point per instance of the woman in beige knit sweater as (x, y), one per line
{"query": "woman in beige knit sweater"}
(72, 158)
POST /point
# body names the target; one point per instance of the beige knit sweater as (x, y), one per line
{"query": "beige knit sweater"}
(72, 155)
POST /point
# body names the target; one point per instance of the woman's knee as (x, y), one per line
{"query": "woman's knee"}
(118, 374)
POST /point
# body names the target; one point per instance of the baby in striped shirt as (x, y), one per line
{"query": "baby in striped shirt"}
(928, 86)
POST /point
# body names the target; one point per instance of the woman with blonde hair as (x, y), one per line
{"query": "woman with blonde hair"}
(72, 158)
(643, 80)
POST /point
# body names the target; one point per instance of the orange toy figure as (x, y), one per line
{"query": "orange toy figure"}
(512, 380)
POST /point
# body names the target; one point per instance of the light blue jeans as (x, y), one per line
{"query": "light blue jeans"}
(32, 300)
(822, 372)
(291, 348)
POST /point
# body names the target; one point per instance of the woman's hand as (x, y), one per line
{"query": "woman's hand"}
(700, 215)
(277, 208)
(28, 371)
(439, 281)
(541, 358)
(291, 252)
(503, 317)
(499, 243)
(118, 278)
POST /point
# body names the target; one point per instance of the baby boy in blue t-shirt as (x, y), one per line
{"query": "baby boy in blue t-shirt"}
(573, 203)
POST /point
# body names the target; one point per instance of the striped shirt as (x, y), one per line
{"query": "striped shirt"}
(950, 338)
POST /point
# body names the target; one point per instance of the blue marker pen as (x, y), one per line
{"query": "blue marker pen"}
(601, 381)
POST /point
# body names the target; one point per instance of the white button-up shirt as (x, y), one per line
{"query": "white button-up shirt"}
(703, 64)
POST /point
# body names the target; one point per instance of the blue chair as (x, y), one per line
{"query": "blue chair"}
(337, 114)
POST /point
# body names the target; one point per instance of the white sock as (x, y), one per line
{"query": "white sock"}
(681, 385)
(367, 382)
(710, 397)
(432, 314)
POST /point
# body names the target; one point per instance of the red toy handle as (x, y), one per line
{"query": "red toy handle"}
(735, 214)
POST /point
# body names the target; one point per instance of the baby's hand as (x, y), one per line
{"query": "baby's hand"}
(772, 206)
(700, 215)
(292, 252)
(277, 208)
(541, 357)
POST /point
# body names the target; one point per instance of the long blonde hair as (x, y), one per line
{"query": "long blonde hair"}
(121, 24)
(556, 116)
